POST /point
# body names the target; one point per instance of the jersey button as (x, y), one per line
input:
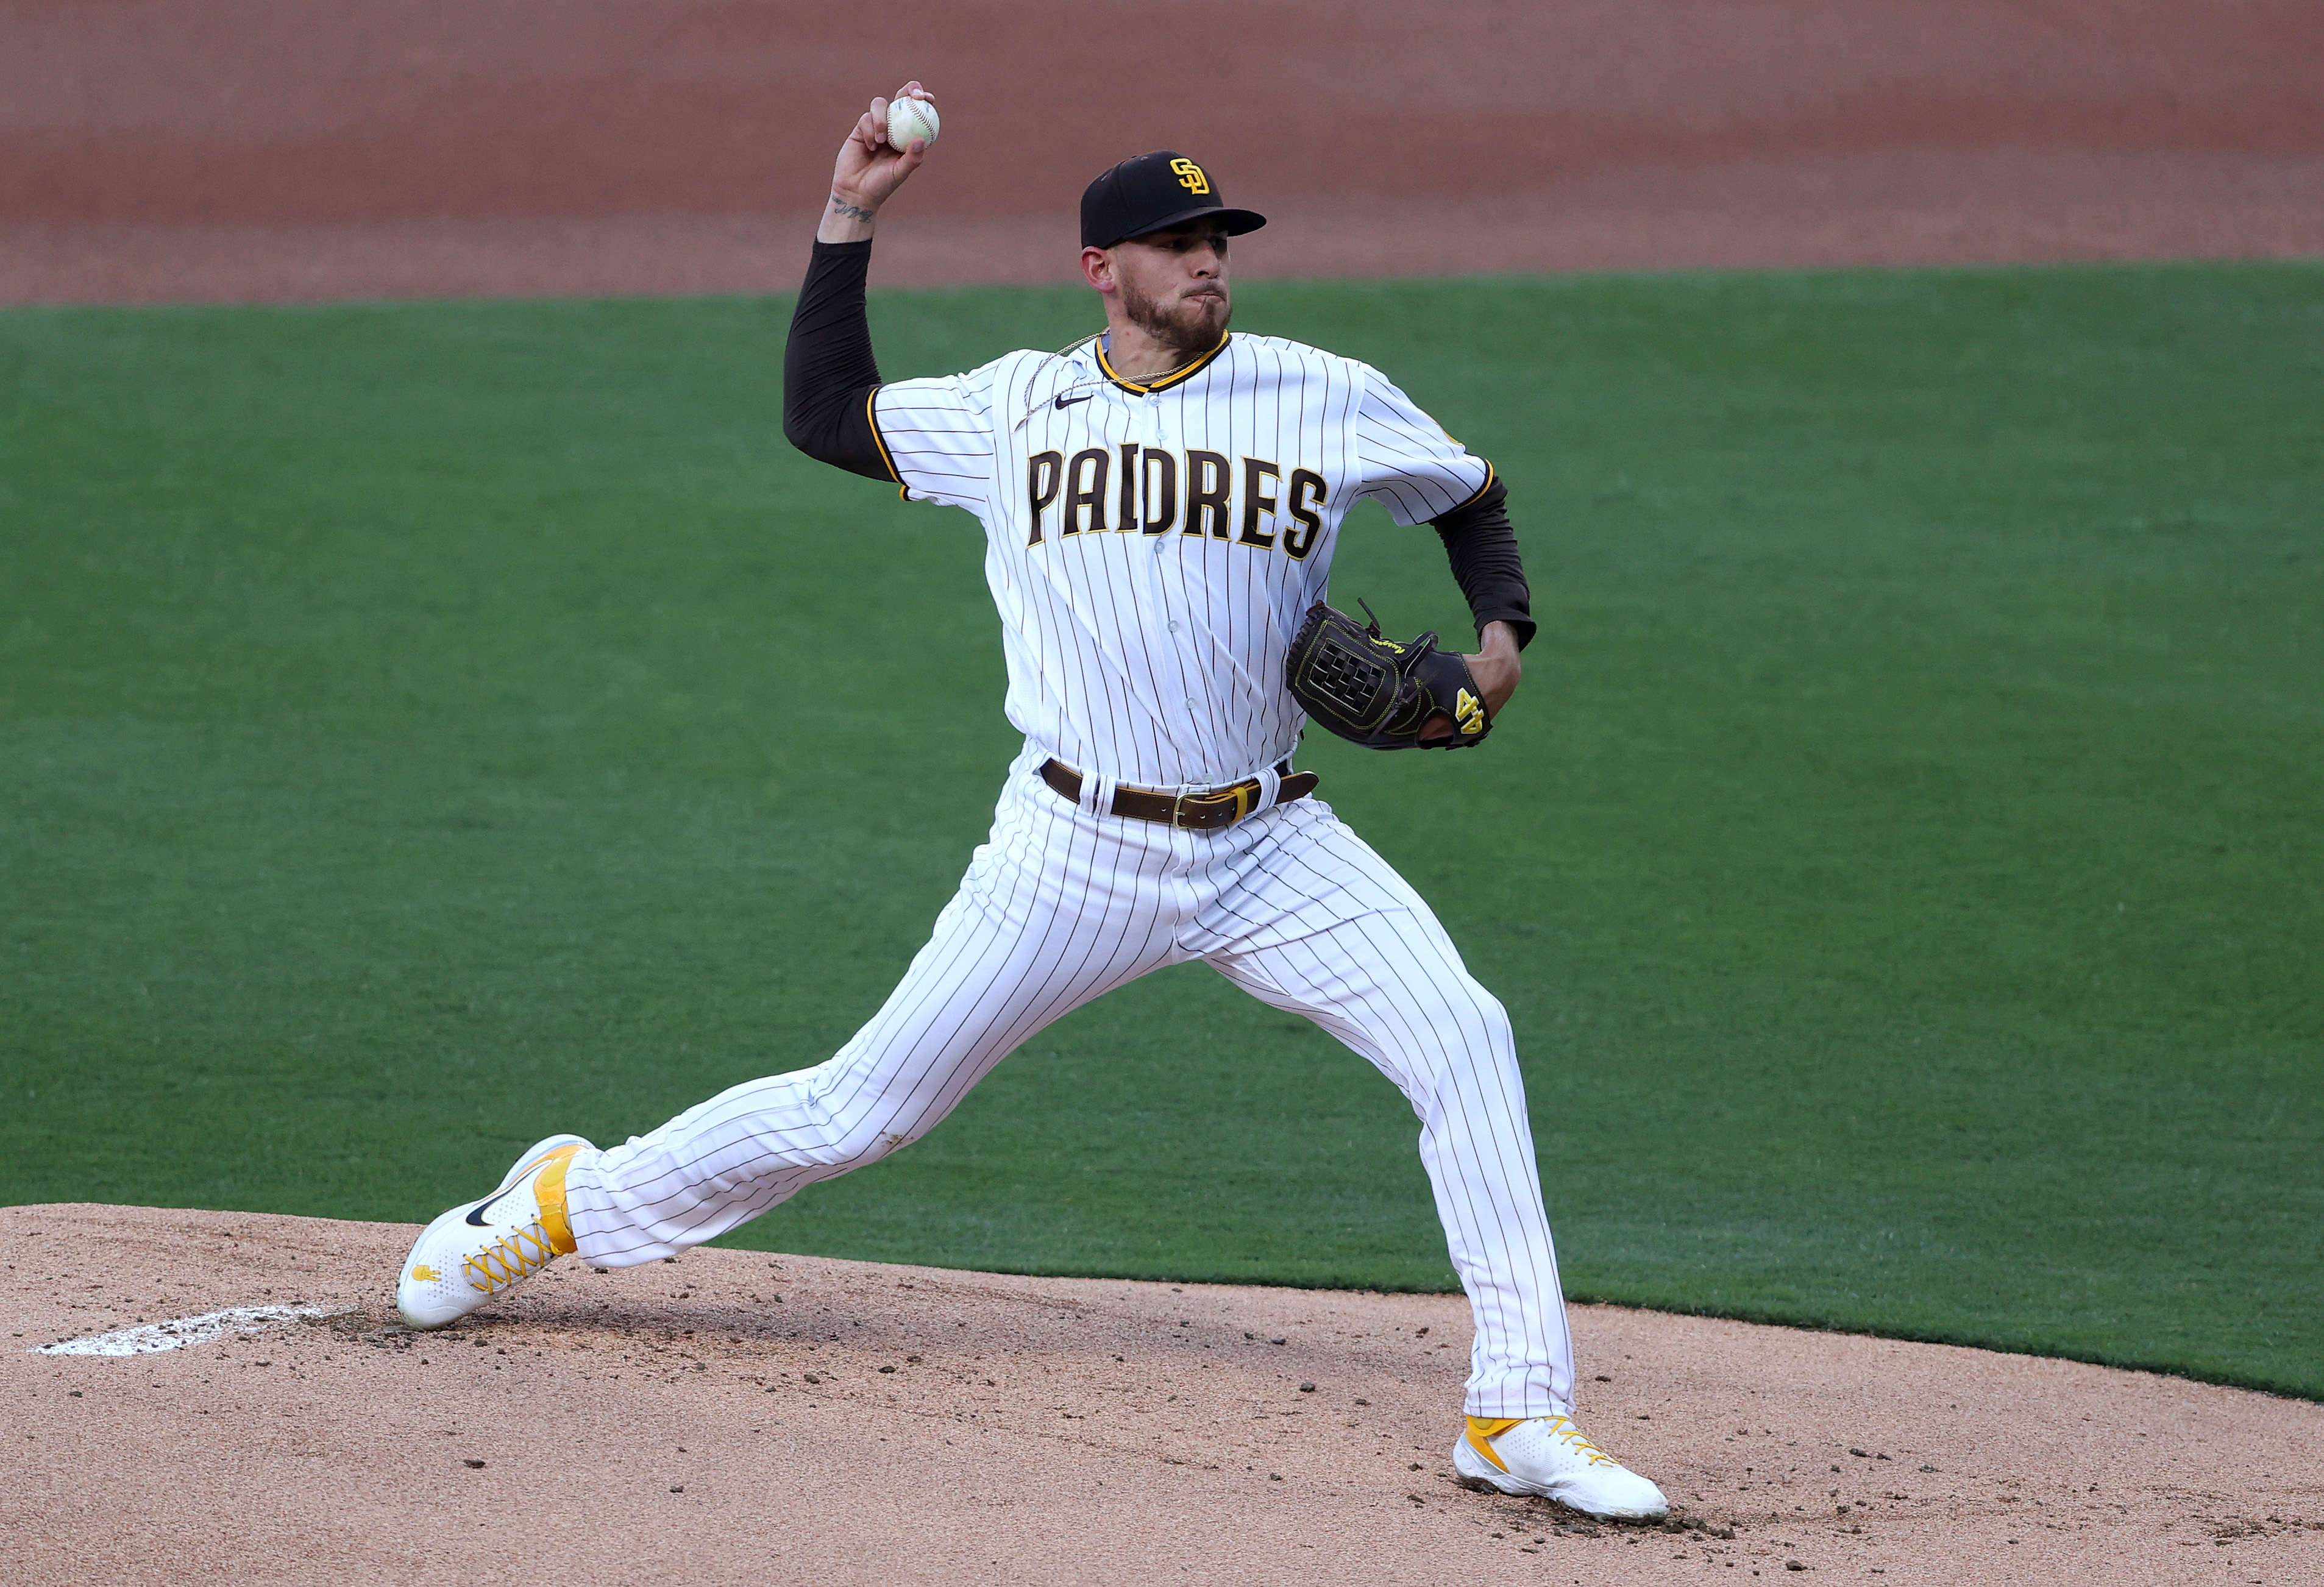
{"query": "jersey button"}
(1174, 626)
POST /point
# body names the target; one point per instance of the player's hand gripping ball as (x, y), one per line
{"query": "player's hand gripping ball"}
(909, 118)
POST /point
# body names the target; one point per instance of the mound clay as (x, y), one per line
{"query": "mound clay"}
(244, 149)
(738, 1417)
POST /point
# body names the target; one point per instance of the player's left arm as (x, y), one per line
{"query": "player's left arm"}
(1422, 474)
(1482, 544)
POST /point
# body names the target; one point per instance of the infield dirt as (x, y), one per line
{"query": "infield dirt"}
(160, 149)
(738, 1417)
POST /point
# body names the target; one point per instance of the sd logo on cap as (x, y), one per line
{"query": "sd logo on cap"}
(1150, 193)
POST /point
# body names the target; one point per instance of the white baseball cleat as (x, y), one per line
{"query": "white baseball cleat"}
(1549, 1456)
(478, 1250)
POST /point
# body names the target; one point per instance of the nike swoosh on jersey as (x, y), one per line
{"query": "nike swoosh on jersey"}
(1066, 401)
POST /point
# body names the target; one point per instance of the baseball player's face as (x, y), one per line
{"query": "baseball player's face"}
(1174, 284)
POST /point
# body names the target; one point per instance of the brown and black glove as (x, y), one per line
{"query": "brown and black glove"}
(1379, 694)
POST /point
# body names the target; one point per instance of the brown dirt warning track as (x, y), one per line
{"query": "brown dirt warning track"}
(744, 1418)
(258, 149)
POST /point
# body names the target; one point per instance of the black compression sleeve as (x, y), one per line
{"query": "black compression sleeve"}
(828, 371)
(1482, 547)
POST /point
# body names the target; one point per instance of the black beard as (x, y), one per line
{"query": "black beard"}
(1186, 332)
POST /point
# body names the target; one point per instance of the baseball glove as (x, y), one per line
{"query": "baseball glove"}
(1379, 694)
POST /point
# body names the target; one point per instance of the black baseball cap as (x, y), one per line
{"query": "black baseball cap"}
(1151, 192)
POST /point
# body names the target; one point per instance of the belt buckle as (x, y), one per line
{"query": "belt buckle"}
(1244, 794)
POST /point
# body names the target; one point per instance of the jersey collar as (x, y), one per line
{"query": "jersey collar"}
(1167, 381)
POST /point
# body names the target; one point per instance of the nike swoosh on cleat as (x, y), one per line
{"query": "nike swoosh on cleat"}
(1066, 401)
(476, 1213)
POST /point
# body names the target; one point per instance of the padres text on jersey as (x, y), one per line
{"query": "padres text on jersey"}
(1152, 548)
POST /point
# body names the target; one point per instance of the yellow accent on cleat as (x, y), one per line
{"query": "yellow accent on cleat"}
(1549, 1457)
(1484, 1428)
(529, 1247)
(549, 1192)
(474, 1252)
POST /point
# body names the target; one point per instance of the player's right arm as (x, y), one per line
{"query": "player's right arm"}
(868, 172)
(829, 372)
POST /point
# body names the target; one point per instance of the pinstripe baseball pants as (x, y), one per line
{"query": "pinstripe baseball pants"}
(1062, 905)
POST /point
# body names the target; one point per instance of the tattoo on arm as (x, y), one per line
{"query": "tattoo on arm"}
(846, 212)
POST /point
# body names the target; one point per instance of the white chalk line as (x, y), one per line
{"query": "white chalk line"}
(179, 1332)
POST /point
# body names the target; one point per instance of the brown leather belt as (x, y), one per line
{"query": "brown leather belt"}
(1207, 811)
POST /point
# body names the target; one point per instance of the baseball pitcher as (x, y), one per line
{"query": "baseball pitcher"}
(1161, 504)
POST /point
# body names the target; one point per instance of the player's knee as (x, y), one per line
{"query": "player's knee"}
(1470, 1042)
(1498, 1033)
(877, 1134)
(884, 1143)
(1473, 1018)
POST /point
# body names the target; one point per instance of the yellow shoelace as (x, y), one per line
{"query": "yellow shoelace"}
(1562, 1428)
(518, 1254)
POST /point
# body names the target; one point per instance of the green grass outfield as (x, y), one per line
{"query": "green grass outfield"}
(424, 726)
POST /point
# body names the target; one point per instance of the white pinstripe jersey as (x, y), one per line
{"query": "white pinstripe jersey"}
(1153, 549)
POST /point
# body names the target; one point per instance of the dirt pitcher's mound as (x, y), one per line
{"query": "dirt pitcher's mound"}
(736, 1418)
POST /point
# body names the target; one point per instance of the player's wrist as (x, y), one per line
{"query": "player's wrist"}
(1498, 665)
(847, 217)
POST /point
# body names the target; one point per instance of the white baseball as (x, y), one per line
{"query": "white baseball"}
(908, 119)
